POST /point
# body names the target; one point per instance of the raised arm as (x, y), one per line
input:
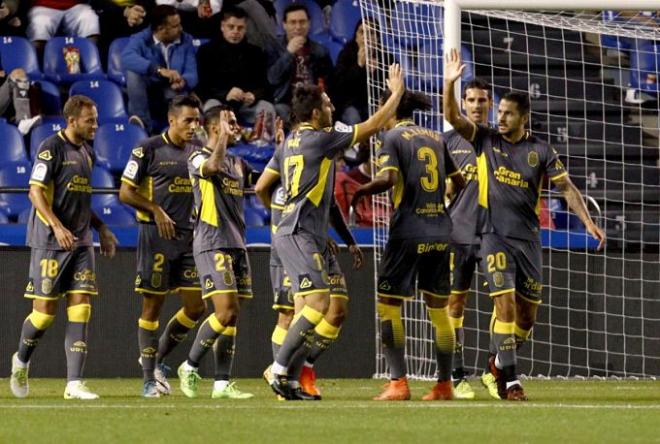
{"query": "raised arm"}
(576, 203)
(388, 109)
(452, 72)
(379, 184)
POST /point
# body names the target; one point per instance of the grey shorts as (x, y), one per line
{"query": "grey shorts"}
(224, 271)
(512, 265)
(164, 265)
(56, 273)
(463, 260)
(405, 261)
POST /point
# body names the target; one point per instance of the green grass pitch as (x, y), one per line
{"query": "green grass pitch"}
(560, 412)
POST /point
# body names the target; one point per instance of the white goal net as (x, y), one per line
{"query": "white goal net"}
(593, 81)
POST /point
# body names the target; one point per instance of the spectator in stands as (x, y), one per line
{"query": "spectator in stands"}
(198, 17)
(239, 80)
(120, 18)
(349, 87)
(75, 18)
(12, 20)
(298, 61)
(15, 95)
(160, 63)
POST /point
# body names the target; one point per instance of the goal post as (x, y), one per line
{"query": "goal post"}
(598, 107)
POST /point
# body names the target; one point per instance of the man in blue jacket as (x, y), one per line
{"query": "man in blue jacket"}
(159, 63)
(300, 60)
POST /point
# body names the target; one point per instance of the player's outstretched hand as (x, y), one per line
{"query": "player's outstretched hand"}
(453, 66)
(64, 237)
(332, 246)
(358, 256)
(395, 80)
(165, 225)
(597, 233)
(108, 242)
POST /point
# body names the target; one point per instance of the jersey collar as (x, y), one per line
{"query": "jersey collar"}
(404, 122)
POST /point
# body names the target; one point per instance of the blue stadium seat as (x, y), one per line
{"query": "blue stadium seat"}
(14, 174)
(12, 148)
(43, 131)
(199, 42)
(644, 67)
(24, 216)
(113, 144)
(111, 211)
(55, 66)
(102, 178)
(315, 15)
(3, 219)
(108, 98)
(18, 52)
(424, 68)
(253, 202)
(51, 105)
(115, 71)
(253, 218)
(414, 23)
(344, 18)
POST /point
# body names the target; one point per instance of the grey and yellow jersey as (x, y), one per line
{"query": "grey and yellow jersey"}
(218, 213)
(307, 169)
(463, 209)
(510, 180)
(422, 163)
(158, 169)
(64, 171)
(278, 195)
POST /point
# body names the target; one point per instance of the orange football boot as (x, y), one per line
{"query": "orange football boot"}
(308, 382)
(395, 391)
(442, 391)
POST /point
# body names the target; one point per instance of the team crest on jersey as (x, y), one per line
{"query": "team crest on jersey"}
(498, 279)
(228, 277)
(138, 280)
(45, 155)
(533, 159)
(156, 280)
(385, 286)
(131, 169)
(208, 283)
(29, 288)
(46, 286)
(138, 152)
(39, 172)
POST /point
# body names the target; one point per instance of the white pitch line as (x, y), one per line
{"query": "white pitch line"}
(333, 406)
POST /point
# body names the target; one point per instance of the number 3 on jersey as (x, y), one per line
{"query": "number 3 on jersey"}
(292, 178)
(429, 182)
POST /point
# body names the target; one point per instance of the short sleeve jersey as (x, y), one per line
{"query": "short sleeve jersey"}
(307, 168)
(158, 169)
(278, 196)
(64, 171)
(422, 163)
(463, 209)
(218, 213)
(510, 180)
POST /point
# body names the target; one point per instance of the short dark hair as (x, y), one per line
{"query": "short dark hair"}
(293, 8)
(476, 83)
(75, 104)
(212, 115)
(520, 99)
(306, 98)
(232, 11)
(410, 102)
(180, 101)
(160, 14)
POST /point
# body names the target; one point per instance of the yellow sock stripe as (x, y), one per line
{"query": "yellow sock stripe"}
(215, 324)
(278, 335)
(79, 313)
(445, 338)
(327, 330)
(392, 313)
(229, 331)
(456, 322)
(521, 332)
(41, 321)
(503, 328)
(311, 315)
(148, 325)
(184, 320)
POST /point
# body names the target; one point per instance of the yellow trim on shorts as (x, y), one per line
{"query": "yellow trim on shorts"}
(394, 296)
(214, 292)
(538, 301)
(460, 291)
(338, 296)
(146, 290)
(246, 295)
(43, 298)
(187, 288)
(305, 293)
(435, 295)
(282, 307)
(501, 292)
